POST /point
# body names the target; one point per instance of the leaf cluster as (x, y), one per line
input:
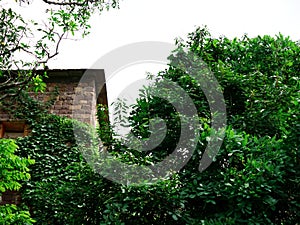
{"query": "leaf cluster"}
(13, 171)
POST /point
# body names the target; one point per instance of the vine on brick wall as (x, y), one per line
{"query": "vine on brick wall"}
(27, 107)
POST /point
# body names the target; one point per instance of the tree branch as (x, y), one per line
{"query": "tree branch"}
(70, 3)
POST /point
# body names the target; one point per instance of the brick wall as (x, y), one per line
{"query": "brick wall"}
(10, 197)
(66, 81)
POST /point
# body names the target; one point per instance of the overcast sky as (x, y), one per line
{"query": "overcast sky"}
(164, 20)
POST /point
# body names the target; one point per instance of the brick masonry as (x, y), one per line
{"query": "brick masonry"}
(10, 197)
(67, 83)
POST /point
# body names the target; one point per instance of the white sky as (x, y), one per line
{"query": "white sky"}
(164, 20)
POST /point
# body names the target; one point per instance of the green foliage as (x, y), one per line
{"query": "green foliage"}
(255, 177)
(12, 214)
(247, 183)
(104, 129)
(59, 171)
(144, 204)
(13, 170)
(78, 195)
(259, 76)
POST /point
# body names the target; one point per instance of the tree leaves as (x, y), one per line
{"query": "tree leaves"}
(13, 170)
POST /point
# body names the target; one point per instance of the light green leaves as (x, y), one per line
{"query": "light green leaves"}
(13, 170)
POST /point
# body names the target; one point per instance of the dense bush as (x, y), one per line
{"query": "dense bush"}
(260, 77)
(65, 190)
(255, 176)
(13, 170)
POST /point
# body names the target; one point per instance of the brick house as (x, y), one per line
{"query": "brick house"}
(66, 82)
